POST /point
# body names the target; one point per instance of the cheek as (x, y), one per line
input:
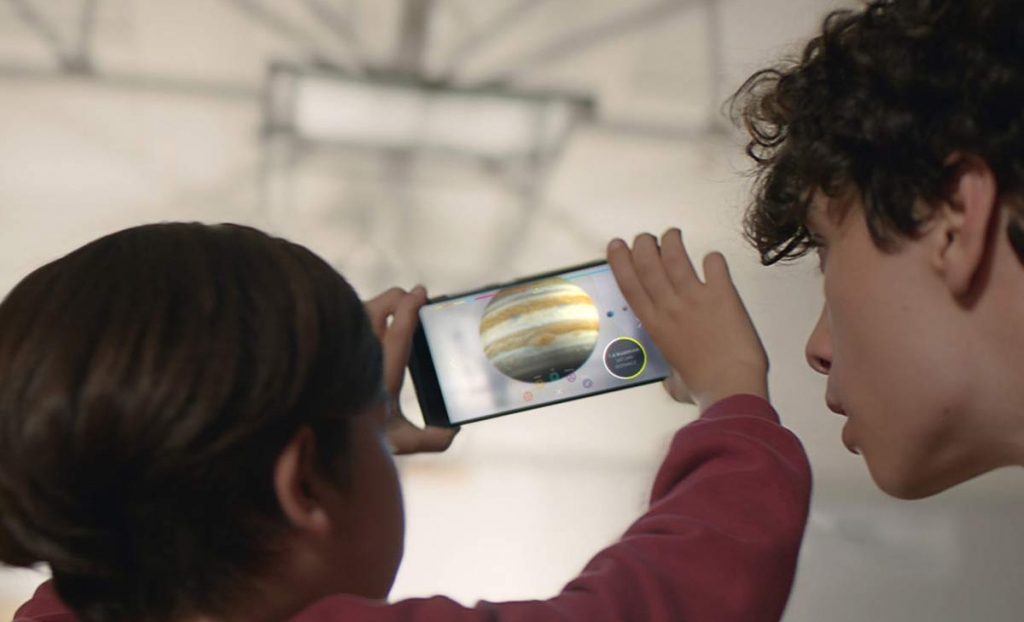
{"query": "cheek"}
(395, 511)
(895, 382)
(377, 534)
(880, 339)
(387, 521)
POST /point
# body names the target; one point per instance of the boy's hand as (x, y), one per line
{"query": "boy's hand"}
(702, 328)
(403, 310)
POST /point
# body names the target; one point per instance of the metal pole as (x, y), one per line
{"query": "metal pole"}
(82, 58)
(472, 44)
(413, 33)
(37, 22)
(341, 26)
(616, 26)
(716, 64)
(266, 16)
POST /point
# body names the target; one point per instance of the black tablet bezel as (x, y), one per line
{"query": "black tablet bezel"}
(424, 379)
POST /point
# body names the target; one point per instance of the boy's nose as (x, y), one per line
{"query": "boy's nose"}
(819, 346)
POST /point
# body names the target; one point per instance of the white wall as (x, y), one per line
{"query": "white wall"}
(520, 503)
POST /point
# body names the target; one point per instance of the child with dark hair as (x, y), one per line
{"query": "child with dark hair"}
(196, 423)
(895, 148)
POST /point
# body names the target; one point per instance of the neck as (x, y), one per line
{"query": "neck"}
(276, 597)
(999, 364)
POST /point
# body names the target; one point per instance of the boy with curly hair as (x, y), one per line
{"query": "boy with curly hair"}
(894, 148)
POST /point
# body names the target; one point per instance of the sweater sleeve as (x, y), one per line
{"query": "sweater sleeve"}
(718, 543)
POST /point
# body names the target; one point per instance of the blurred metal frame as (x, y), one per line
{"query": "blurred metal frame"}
(296, 35)
(575, 42)
(283, 151)
(525, 177)
(342, 26)
(487, 33)
(282, 77)
(75, 57)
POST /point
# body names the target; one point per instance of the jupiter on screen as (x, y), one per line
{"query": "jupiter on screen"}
(540, 332)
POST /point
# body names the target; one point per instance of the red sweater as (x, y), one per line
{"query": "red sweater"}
(719, 542)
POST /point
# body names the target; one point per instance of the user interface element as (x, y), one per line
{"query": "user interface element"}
(537, 343)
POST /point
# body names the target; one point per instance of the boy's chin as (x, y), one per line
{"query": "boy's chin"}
(910, 484)
(908, 492)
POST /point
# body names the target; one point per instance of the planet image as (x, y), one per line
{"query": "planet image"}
(543, 331)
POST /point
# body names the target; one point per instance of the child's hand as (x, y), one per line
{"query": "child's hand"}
(702, 328)
(396, 339)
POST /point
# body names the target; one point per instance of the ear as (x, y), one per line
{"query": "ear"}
(298, 484)
(964, 222)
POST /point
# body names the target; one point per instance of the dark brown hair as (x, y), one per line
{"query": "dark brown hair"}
(876, 104)
(148, 382)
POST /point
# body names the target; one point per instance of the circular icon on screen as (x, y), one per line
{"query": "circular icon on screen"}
(625, 358)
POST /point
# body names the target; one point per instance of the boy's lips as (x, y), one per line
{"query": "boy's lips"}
(836, 406)
(848, 440)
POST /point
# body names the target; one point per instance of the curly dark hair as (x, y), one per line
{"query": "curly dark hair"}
(148, 382)
(877, 104)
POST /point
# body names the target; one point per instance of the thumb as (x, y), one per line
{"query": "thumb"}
(406, 438)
